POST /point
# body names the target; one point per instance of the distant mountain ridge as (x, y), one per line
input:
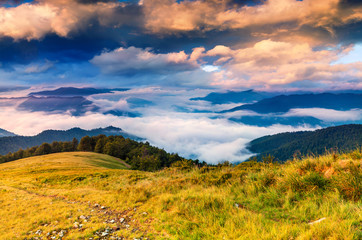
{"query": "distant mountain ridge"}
(76, 105)
(284, 145)
(14, 143)
(74, 101)
(283, 103)
(251, 95)
(72, 91)
(234, 97)
(5, 133)
(267, 121)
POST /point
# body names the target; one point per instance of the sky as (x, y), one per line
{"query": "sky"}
(168, 51)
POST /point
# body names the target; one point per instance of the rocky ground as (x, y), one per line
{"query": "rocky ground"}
(115, 221)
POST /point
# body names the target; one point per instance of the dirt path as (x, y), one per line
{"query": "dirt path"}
(115, 221)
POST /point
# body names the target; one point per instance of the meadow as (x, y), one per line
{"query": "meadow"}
(84, 195)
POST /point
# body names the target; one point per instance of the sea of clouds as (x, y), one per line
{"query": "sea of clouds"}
(197, 131)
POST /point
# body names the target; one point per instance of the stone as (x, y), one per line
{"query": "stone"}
(62, 233)
(318, 221)
(116, 228)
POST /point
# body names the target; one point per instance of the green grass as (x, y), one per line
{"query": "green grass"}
(249, 201)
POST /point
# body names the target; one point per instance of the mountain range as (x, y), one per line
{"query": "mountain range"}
(73, 101)
(14, 143)
(283, 103)
(76, 105)
(234, 97)
(252, 96)
(72, 91)
(267, 121)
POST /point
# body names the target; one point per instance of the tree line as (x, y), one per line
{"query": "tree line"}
(141, 156)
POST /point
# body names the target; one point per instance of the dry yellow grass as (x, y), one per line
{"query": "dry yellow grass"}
(41, 196)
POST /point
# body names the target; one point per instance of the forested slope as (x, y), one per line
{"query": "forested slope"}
(284, 146)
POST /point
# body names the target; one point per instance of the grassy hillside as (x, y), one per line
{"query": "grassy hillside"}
(86, 195)
(139, 155)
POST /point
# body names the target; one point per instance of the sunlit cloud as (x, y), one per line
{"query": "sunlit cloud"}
(269, 63)
(39, 18)
(168, 16)
(135, 61)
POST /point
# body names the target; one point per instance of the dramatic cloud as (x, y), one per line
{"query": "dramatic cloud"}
(269, 63)
(308, 20)
(266, 65)
(169, 16)
(135, 60)
(37, 19)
